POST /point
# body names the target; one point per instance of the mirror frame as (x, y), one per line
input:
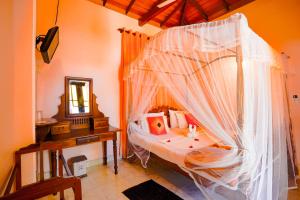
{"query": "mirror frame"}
(67, 81)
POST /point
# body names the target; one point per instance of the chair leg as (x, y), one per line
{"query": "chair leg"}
(62, 196)
(77, 191)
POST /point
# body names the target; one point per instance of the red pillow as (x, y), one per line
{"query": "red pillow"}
(157, 125)
(191, 119)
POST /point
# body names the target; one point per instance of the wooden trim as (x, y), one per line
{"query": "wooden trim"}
(183, 9)
(129, 6)
(226, 5)
(200, 9)
(138, 12)
(232, 7)
(104, 2)
(154, 11)
(170, 15)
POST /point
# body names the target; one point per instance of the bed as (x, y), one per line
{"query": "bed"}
(232, 82)
(171, 149)
(174, 145)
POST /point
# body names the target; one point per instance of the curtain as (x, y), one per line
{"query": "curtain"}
(132, 44)
(230, 79)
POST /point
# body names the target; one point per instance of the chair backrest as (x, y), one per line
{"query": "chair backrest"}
(43, 187)
(47, 187)
(54, 148)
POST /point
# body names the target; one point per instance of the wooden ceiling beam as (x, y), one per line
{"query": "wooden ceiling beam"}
(226, 5)
(104, 2)
(200, 9)
(171, 14)
(154, 11)
(183, 9)
(232, 7)
(129, 6)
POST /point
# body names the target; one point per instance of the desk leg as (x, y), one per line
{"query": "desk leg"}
(53, 163)
(41, 165)
(104, 149)
(115, 156)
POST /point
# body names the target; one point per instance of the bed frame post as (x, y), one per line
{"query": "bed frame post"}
(240, 89)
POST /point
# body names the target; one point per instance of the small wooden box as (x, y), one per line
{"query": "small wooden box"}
(61, 128)
(100, 123)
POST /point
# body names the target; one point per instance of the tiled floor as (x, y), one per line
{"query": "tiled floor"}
(295, 194)
(101, 182)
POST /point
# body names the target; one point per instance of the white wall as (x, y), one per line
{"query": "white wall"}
(292, 48)
(90, 46)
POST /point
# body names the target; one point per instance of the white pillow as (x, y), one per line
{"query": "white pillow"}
(173, 119)
(181, 120)
(166, 124)
(144, 122)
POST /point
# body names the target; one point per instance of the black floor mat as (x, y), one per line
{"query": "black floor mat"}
(150, 190)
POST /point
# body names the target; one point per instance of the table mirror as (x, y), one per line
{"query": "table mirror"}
(78, 96)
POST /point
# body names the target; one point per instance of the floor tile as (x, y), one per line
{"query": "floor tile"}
(102, 184)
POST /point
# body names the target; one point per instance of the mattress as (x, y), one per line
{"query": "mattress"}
(174, 145)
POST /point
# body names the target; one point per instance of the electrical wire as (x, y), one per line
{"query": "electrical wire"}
(57, 8)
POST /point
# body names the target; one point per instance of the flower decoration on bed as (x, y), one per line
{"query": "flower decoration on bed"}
(192, 131)
(157, 125)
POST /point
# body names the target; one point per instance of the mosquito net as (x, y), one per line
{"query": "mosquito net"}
(233, 83)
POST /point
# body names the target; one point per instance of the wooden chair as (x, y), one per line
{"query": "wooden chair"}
(43, 187)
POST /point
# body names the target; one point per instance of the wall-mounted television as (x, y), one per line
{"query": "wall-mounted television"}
(50, 43)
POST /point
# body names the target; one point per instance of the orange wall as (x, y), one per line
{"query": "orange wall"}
(17, 72)
(90, 46)
(6, 75)
(278, 22)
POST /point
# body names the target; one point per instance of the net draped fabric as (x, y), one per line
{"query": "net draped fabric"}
(232, 82)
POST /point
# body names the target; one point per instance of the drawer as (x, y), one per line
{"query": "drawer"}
(68, 143)
(102, 129)
(61, 128)
(100, 123)
(87, 139)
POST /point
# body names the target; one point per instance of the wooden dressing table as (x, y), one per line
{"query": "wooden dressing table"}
(86, 136)
(80, 124)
